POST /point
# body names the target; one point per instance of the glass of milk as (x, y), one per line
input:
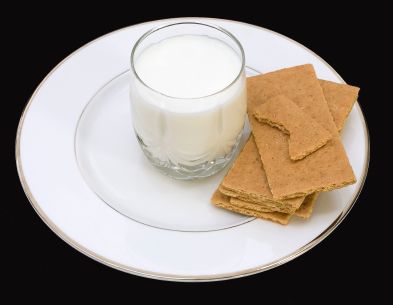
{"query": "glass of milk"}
(188, 98)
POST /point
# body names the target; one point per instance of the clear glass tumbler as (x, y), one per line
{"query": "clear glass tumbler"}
(188, 137)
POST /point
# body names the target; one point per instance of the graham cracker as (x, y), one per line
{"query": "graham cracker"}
(222, 201)
(327, 168)
(340, 99)
(248, 179)
(305, 134)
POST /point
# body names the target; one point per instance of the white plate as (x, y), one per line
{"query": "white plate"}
(83, 172)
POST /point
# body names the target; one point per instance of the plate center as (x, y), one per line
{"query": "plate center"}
(115, 168)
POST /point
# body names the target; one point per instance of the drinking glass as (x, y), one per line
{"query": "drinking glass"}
(188, 138)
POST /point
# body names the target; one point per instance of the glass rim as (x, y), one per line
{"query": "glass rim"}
(153, 30)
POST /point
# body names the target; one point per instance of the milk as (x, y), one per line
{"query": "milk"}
(189, 107)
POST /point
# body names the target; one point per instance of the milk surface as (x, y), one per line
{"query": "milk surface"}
(188, 66)
(191, 116)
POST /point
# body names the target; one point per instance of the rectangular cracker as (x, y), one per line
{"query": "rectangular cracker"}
(340, 99)
(327, 168)
(305, 134)
(222, 201)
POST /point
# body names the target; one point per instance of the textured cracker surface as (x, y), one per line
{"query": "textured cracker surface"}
(222, 201)
(327, 168)
(340, 99)
(248, 179)
(305, 134)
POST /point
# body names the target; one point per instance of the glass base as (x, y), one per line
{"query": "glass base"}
(185, 172)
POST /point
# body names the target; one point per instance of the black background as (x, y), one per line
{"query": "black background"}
(345, 265)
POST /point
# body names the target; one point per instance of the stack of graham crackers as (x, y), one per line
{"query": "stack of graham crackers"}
(294, 151)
